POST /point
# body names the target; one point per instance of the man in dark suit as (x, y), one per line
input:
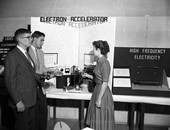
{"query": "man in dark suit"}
(21, 82)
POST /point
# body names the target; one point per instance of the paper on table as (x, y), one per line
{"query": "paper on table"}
(74, 91)
(87, 128)
(121, 72)
(121, 82)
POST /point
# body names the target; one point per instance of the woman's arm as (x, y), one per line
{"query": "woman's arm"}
(105, 72)
(102, 91)
(85, 75)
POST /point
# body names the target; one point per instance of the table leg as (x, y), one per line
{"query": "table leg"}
(48, 111)
(0, 116)
(54, 109)
(141, 116)
(131, 116)
(81, 114)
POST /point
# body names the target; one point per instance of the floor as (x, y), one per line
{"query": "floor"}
(70, 124)
(65, 124)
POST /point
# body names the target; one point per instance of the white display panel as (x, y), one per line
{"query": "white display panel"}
(59, 39)
(71, 40)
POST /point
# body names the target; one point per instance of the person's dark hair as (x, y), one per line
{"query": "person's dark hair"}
(102, 45)
(38, 34)
(20, 31)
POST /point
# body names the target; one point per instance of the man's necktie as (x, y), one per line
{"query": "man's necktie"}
(38, 60)
(29, 59)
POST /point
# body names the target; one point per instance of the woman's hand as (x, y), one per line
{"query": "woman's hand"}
(85, 75)
(20, 106)
(98, 103)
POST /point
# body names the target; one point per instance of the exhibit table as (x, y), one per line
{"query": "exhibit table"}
(54, 93)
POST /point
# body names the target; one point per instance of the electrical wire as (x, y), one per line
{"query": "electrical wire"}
(54, 8)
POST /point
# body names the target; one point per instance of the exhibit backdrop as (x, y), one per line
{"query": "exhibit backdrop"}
(72, 37)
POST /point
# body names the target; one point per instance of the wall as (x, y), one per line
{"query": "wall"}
(139, 23)
(145, 31)
(8, 26)
(119, 8)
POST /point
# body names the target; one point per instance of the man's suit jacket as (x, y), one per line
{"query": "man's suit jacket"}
(20, 79)
(41, 60)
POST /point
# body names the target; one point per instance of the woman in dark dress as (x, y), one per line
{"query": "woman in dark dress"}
(100, 115)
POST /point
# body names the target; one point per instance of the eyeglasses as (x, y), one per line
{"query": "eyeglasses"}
(29, 37)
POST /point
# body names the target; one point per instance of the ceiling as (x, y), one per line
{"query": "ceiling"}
(119, 8)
